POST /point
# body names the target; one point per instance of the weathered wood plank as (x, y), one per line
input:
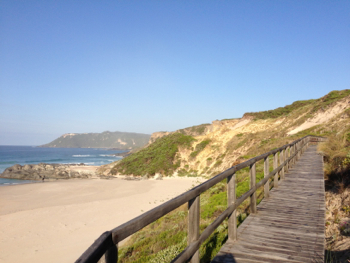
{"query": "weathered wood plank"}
(231, 199)
(97, 249)
(248, 257)
(252, 173)
(275, 165)
(193, 225)
(282, 159)
(266, 174)
(111, 255)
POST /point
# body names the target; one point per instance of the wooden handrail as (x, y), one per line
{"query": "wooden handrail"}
(108, 241)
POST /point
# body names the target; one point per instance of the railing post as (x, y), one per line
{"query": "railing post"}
(289, 155)
(231, 198)
(281, 161)
(307, 143)
(296, 150)
(111, 255)
(286, 153)
(301, 147)
(275, 165)
(252, 173)
(266, 173)
(193, 225)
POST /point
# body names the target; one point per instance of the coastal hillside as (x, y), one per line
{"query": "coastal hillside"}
(118, 140)
(228, 142)
(208, 149)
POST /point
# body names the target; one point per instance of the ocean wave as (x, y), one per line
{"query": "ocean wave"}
(95, 163)
(43, 160)
(81, 155)
(54, 160)
(104, 155)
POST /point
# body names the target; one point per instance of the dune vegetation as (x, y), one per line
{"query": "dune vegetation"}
(337, 185)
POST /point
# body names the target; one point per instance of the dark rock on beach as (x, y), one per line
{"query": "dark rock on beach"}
(44, 171)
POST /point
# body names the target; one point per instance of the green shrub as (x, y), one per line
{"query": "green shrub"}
(281, 111)
(167, 254)
(159, 157)
(218, 163)
(199, 147)
(336, 151)
(195, 130)
(321, 103)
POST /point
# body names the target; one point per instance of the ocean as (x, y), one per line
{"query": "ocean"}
(10, 155)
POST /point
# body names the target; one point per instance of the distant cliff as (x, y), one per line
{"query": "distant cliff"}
(119, 140)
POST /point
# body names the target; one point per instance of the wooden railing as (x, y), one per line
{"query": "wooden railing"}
(107, 243)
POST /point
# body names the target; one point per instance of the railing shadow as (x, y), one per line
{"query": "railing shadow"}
(227, 258)
(336, 256)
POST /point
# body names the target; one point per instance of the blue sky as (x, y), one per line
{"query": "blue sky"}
(147, 66)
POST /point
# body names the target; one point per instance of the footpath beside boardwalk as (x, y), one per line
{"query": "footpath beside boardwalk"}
(289, 224)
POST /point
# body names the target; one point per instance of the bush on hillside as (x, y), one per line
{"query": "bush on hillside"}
(159, 157)
(321, 103)
(199, 147)
(336, 151)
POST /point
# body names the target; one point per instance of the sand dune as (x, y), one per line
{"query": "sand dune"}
(57, 221)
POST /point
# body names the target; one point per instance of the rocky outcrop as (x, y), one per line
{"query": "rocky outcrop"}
(48, 171)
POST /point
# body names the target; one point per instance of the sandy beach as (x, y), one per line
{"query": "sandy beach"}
(57, 221)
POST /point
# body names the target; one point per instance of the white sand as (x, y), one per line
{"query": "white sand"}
(57, 221)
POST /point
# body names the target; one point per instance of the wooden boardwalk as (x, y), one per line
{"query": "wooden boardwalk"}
(289, 225)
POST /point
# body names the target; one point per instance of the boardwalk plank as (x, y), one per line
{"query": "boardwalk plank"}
(289, 224)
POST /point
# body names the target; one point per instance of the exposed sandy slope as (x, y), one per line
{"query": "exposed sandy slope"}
(322, 117)
(225, 135)
(57, 221)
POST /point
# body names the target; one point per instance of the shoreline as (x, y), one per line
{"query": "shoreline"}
(57, 221)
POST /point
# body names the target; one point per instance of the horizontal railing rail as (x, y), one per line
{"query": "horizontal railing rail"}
(107, 243)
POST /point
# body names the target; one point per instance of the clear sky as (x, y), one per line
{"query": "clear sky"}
(147, 66)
